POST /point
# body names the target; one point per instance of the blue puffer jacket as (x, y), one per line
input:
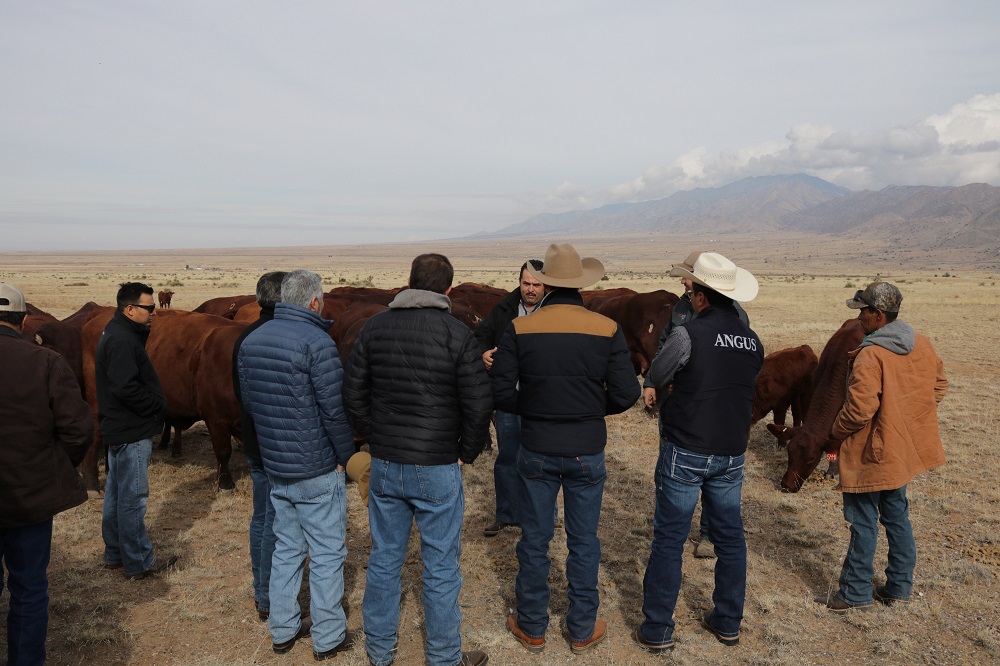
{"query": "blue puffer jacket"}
(290, 378)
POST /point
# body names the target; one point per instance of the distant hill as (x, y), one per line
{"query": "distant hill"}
(908, 216)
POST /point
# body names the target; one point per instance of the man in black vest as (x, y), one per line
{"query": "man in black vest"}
(712, 362)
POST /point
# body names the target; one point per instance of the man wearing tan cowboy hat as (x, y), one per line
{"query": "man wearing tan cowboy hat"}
(889, 429)
(563, 369)
(712, 363)
(681, 314)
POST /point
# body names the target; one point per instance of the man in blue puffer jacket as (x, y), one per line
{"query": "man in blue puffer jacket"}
(290, 379)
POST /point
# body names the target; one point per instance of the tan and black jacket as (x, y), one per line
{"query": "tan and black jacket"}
(563, 369)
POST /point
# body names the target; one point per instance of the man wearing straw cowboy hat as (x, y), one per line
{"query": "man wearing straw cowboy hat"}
(563, 369)
(712, 362)
(680, 314)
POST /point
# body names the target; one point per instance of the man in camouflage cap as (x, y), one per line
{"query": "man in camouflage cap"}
(889, 431)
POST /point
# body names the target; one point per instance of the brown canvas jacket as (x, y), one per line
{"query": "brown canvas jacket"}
(888, 423)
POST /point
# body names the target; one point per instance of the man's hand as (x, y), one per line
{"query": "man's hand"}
(649, 397)
(488, 357)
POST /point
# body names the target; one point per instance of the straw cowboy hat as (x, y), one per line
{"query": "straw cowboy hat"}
(563, 267)
(714, 271)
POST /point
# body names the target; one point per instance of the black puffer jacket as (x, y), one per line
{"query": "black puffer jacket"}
(416, 386)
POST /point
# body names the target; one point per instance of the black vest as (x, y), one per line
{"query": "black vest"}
(709, 408)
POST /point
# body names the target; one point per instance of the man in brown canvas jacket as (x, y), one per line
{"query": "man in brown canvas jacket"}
(890, 434)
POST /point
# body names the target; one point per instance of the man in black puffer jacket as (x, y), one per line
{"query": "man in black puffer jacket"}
(417, 390)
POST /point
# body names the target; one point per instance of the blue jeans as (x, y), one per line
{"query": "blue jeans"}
(505, 468)
(582, 481)
(310, 517)
(864, 511)
(123, 519)
(680, 474)
(434, 496)
(25, 551)
(261, 536)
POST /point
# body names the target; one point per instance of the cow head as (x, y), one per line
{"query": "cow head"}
(804, 453)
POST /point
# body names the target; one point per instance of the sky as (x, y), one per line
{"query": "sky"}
(184, 124)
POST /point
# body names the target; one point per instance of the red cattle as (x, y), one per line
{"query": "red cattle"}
(594, 296)
(34, 320)
(359, 312)
(807, 442)
(785, 380)
(642, 318)
(480, 298)
(224, 306)
(366, 294)
(64, 336)
(165, 297)
(192, 355)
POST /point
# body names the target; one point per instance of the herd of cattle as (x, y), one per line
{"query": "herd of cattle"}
(192, 354)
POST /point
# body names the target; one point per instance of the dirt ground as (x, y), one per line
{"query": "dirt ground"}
(202, 612)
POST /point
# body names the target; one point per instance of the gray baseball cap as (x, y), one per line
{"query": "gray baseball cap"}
(882, 296)
(11, 298)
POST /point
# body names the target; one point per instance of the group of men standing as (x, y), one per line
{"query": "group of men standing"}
(420, 387)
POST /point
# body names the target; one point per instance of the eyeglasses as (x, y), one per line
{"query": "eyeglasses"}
(147, 308)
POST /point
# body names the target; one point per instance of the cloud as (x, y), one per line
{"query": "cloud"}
(957, 147)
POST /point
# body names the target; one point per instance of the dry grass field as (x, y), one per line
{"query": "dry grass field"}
(202, 613)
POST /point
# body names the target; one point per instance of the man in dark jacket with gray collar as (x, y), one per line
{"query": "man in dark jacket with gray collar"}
(262, 521)
(290, 379)
(520, 302)
(418, 391)
(45, 429)
(563, 369)
(131, 405)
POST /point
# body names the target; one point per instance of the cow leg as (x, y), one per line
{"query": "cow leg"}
(175, 448)
(88, 466)
(165, 437)
(222, 438)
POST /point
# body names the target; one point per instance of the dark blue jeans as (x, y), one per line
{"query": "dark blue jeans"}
(261, 535)
(25, 553)
(864, 511)
(505, 468)
(582, 481)
(680, 475)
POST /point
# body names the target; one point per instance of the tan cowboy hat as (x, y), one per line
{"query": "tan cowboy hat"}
(564, 268)
(687, 263)
(714, 271)
(359, 469)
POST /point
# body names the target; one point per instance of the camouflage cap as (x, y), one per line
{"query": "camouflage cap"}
(882, 296)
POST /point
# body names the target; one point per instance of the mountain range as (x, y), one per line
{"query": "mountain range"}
(918, 217)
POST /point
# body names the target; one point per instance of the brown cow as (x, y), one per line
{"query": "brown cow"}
(359, 311)
(165, 297)
(64, 336)
(642, 318)
(480, 298)
(224, 306)
(806, 443)
(34, 320)
(785, 380)
(192, 355)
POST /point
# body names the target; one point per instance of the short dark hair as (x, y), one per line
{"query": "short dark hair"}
(535, 264)
(269, 288)
(713, 297)
(12, 318)
(431, 272)
(129, 293)
(889, 316)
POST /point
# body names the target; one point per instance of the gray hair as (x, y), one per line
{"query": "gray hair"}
(269, 288)
(300, 287)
